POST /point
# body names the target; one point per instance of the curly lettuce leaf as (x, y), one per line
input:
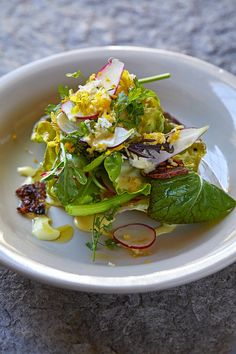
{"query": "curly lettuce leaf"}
(192, 156)
(153, 118)
(43, 132)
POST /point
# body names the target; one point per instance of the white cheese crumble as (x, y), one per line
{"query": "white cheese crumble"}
(142, 163)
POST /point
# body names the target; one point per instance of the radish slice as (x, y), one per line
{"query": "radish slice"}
(151, 157)
(120, 136)
(136, 236)
(67, 106)
(65, 124)
(110, 74)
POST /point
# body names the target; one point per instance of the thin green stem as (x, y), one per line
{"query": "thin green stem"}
(146, 80)
(98, 184)
(94, 164)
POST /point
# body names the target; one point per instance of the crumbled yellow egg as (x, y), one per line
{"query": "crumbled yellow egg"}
(158, 137)
(126, 82)
(175, 136)
(89, 103)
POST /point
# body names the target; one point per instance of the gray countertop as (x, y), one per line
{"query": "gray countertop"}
(194, 318)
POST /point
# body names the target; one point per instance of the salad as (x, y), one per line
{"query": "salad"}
(110, 147)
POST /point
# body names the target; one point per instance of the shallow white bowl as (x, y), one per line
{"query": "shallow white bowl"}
(198, 94)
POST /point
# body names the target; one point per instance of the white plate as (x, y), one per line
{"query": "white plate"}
(198, 94)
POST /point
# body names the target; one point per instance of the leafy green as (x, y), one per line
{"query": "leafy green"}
(87, 193)
(63, 91)
(140, 109)
(72, 176)
(113, 164)
(153, 118)
(186, 199)
(75, 74)
(95, 163)
(52, 108)
(50, 156)
(129, 179)
(43, 132)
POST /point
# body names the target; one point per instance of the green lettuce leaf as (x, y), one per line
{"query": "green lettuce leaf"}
(129, 179)
(113, 164)
(187, 199)
(43, 132)
(70, 179)
(153, 118)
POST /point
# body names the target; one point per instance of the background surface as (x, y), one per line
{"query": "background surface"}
(196, 318)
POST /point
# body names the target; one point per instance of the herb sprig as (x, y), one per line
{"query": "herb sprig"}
(101, 224)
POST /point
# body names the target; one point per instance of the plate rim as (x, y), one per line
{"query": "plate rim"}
(127, 284)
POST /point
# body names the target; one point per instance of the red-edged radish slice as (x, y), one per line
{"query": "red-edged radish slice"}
(110, 74)
(135, 236)
(66, 125)
(67, 106)
(153, 158)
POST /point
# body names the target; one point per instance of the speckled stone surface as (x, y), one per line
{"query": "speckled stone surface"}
(191, 319)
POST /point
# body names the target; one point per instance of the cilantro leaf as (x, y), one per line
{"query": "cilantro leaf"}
(130, 108)
(63, 91)
(52, 108)
(75, 74)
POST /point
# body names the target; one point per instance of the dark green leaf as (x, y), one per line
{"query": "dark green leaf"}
(187, 199)
(66, 188)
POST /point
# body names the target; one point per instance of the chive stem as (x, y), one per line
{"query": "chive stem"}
(146, 80)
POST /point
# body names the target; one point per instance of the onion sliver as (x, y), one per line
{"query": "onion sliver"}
(135, 236)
